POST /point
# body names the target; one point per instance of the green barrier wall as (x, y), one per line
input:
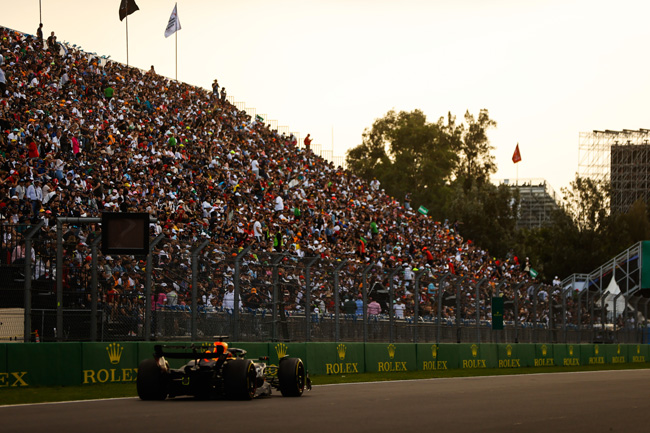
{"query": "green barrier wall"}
(109, 362)
(637, 353)
(515, 355)
(333, 358)
(544, 355)
(566, 354)
(294, 350)
(390, 357)
(45, 364)
(51, 364)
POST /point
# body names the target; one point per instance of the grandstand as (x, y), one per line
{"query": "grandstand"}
(254, 235)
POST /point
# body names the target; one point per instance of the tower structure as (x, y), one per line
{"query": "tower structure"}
(622, 160)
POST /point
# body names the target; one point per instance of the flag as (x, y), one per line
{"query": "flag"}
(423, 210)
(127, 7)
(173, 25)
(516, 157)
(533, 273)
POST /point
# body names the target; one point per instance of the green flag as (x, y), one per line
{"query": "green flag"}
(533, 273)
(423, 210)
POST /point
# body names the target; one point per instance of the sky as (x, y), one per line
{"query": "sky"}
(545, 70)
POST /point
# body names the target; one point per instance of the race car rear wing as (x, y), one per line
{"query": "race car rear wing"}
(194, 352)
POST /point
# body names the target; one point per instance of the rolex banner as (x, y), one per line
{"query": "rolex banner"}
(390, 357)
(336, 358)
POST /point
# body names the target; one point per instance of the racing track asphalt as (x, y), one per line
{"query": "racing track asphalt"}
(562, 402)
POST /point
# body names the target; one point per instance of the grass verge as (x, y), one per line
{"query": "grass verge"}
(28, 395)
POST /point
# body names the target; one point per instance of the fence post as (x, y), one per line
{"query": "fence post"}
(147, 288)
(478, 308)
(636, 320)
(59, 280)
(440, 290)
(645, 318)
(391, 301)
(364, 291)
(310, 262)
(579, 318)
(27, 331)
(498, 294)
(535, 293)
(458, 290)
(195, 290)
(614, 318)
(337, 300)
(235, 313)
(275, 262)
(516, 310)
(94, 289)
(416, 306)
(564, 324)
(626, 297)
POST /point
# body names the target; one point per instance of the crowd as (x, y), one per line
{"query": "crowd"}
(82, 135)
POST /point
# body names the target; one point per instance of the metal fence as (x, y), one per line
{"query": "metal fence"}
(194, 290)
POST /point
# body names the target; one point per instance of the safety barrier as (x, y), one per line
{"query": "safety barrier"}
(53, 364)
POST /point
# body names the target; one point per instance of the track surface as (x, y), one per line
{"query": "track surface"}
(562, 402)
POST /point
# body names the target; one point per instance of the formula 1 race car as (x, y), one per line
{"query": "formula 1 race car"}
(218, 372)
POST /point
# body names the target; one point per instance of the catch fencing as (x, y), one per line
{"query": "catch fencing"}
(194, 290)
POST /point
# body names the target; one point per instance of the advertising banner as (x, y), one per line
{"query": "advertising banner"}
(109, 362)
(390, 357)
(566, 355)
(43, 364)
(516, 355)
(336, 358)
(544, 355)
(294, 350)
(637, 353)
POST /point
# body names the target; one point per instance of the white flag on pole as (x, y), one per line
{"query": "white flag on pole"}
(173, 25)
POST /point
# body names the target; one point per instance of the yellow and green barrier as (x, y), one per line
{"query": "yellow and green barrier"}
(52, 364)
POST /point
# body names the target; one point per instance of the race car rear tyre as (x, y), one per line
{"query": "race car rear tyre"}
(292, 376)
(240, 377)
(151, 381)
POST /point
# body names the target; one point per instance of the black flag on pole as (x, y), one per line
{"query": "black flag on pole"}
(127, 7)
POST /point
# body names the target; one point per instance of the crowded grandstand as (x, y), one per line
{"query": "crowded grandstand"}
(82, 135)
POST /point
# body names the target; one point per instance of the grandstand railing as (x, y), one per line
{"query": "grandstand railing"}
(270, 293)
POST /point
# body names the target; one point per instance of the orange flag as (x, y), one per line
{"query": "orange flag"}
(516, 157)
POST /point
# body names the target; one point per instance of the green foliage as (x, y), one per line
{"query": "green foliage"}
(488, 214)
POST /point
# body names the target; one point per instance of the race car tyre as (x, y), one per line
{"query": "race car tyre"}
(291, 374)
(239, 376)
(150, 381)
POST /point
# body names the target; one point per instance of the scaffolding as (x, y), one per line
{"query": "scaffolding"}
(537, 201)
(622, 160)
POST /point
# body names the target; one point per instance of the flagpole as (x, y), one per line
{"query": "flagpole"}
(127, 40)
(176, 42)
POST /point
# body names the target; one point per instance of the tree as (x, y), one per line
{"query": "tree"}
(475, 163)
(408, 154)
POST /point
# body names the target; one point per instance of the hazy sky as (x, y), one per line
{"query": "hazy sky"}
(545, 70)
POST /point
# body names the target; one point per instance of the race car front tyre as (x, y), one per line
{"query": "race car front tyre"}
(292, 376)
(150, 381)
(239, 377)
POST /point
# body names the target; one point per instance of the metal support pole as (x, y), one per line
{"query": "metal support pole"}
(535, 292)
(195, 290)
(391, 301)
(478, 308)
(636, 319)
(27, 331)
(147, 288)
(275, 262)
(337, 301)
(59, 281)
(614, 317)
(237, 302)
(310, 262)
(516, 310)
(564, 324)
(645, 319)
(94, 298)
(458, 293)
(579, 318)
(416, 304)
(364, 291)
(440, 290)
